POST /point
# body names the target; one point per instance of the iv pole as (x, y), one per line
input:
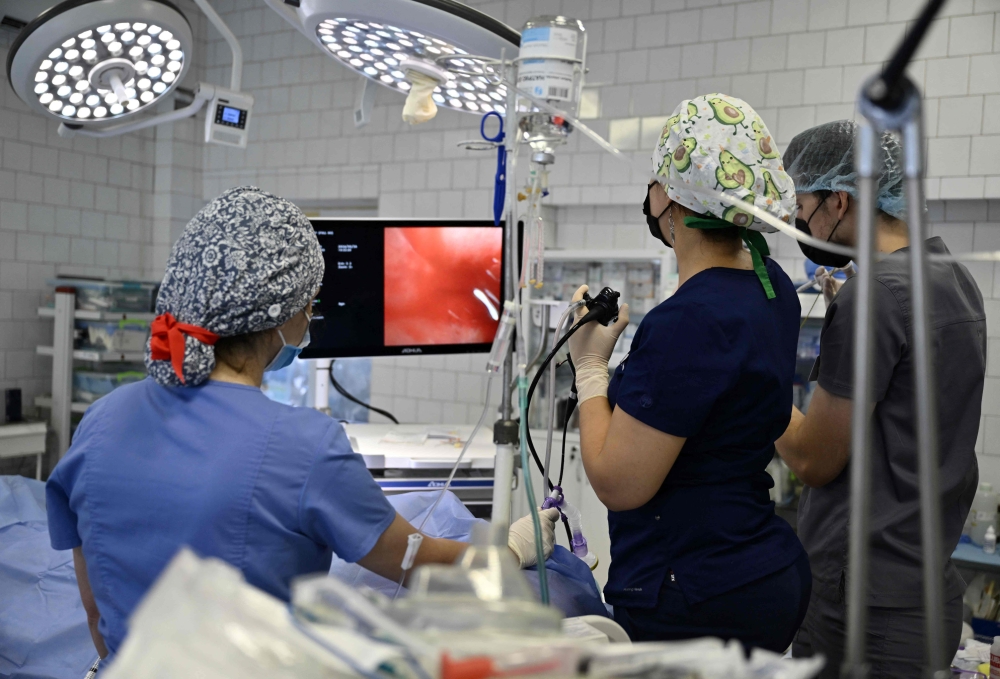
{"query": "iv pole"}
(890, 102)
(506, 433)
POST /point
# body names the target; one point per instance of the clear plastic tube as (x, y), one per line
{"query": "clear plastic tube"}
(501, 341)
(578, 543)
(414, 545)
(521, 352)
(529, 491)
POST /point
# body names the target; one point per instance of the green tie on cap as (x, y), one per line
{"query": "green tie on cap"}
(754, 241)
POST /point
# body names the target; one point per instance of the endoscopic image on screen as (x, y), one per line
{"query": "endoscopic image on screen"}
(442, 285)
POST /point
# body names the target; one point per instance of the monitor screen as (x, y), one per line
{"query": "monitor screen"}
(396, 287)
(230, 115)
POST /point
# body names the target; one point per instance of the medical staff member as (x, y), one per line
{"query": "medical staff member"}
(197, 455)
(817, 445)
(677, 444)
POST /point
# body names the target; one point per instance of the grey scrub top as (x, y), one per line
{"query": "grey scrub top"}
(958, 338)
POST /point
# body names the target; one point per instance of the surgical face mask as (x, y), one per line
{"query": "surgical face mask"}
(288, 352)
(654, 222)
(821, 257)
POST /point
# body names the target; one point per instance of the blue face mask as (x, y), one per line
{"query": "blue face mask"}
(288, 352)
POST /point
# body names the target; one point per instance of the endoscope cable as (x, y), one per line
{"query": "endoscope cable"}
(571, 404)
(343, 392)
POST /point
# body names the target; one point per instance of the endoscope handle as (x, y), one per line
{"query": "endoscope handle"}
(887, 91)
(603, 308)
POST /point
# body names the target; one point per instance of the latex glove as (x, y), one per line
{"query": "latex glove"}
(419, 106)
(591, 347)
(828, 284)
(521, 538)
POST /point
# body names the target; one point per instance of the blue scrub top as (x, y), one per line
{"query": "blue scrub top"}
(713, 364)
(271, 489)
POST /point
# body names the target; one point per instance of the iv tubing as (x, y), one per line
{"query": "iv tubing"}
(521, 353)
(451, 476)
(529, 491)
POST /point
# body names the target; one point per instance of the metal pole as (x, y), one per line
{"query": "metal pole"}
(904, 118)
(860, 517)
(62, 369)
(925, 402)
(503, 466)
(503, 482)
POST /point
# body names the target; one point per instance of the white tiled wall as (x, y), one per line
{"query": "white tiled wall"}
(72, 207)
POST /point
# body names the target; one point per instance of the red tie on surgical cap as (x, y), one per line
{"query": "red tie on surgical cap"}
(167, 342)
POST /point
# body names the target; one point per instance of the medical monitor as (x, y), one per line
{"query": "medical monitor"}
(402, 287)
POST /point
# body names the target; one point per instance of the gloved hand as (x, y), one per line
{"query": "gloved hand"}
(591, 347)
(521, 538)
(828, 284)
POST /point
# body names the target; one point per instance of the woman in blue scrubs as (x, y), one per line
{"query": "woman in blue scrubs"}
(676, 445)
(197, 455)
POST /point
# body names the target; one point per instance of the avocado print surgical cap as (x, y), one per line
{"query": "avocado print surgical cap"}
(822, 158)
(715, 144)
(249, 261)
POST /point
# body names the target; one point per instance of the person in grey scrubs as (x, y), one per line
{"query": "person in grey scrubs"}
(816, 446)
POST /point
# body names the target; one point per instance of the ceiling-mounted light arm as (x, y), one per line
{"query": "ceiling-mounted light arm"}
(204, 93)
(236, 77)
(287, 13)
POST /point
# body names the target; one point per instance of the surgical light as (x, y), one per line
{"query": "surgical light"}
(78, 48)
(379, 34)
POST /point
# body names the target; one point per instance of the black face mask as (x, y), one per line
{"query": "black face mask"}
(821, 257)
(654, 222)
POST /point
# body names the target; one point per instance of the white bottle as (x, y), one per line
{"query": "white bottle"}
(983, 514)
(990, 541)
(995, 659)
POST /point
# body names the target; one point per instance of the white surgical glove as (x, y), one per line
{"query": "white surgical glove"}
(828, 284)
(591, 347)
(419, 106)
(521, 538)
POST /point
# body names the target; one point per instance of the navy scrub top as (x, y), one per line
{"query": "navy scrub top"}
(713, 364)
(271, 489)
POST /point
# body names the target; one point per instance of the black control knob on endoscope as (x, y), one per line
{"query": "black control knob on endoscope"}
(603, 308)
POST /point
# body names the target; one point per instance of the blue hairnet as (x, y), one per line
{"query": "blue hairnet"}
(822, 157)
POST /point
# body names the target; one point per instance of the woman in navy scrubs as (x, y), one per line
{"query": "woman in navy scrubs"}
(676, 445)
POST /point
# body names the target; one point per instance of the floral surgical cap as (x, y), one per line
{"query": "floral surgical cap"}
(714, 144)
(248, 261)
(822, 158)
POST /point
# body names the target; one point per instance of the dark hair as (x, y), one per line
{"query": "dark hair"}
(237, 350)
